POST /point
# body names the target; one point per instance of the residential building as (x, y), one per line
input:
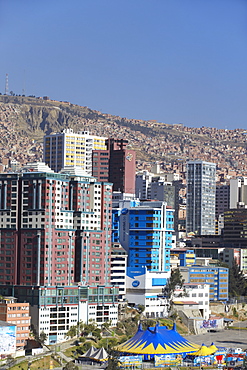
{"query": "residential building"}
(243, 260)
(157, 187)
(119, 268)
(145, 230)
(16, 313)
(100, 164)
(163, 191)
(216, 277)
(116, 165)
(68, 148)
(235, 228)
(146, 233)
(196, 292)
(122, 165)
(54, 309)
(53, 227)
(142, 185)
(201, 185)
(222, 199)
(186, 257)
(238, 192)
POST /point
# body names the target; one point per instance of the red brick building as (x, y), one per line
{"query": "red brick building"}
(117, 164)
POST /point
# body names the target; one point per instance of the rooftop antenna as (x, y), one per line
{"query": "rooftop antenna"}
(6, 84)
(24, 84)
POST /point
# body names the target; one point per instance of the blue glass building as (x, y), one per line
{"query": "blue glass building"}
(216, 276)
(145, 230)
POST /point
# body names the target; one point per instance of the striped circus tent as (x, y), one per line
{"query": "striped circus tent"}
(89, 352)
(157, 340)
(213, 348)
(100, 355)
(203, 351)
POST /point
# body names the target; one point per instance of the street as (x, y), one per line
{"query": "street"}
(226, 338)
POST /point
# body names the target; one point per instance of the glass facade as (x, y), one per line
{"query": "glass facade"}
(201, 189)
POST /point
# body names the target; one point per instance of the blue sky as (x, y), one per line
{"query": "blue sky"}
(170, 60)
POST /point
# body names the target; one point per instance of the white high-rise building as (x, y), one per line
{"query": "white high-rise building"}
(201, 188)
(68, 148)
(238, 192)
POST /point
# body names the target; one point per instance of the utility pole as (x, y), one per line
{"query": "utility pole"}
(6, 84)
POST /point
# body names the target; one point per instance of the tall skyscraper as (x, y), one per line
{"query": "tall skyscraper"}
(106, 159)
(201, 187)
(145, 230)
(238, 192)
(68, 148)
(117, 164)
(55, 229)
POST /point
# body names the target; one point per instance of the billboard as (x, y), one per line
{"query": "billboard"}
(7, 340)
(167, 360)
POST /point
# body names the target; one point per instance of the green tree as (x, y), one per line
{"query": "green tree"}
(113, 361)
(108, 343)
(140, 308)
(89, 328)
(176, 279)
(70, 366)
(96, 333)
(86, 345)
(72, 331)
(237, 281)
(42, 338)
(39, 338)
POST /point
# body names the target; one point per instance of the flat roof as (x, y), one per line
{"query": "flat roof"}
(4, 323)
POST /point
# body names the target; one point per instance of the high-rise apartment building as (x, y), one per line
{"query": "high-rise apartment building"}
(145, 231)
(100, 164)
(238, 192)
(53, 227)
(122, 165)
(235, 228)
(222, 199)
(116, 165)
(106, 159)
(68, 148)
(201, 185)
(157, 187)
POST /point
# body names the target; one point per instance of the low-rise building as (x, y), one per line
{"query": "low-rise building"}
(54, 309)
(195, 292)
(216, 277)
(186, 257)
(145, 288)
(16, 313)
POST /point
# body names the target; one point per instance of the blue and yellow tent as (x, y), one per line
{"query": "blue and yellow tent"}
(157, 340)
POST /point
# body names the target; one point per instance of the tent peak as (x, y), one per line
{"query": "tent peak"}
(140, 327)
(156, 327)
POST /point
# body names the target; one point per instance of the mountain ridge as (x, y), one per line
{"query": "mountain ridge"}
(30, 118)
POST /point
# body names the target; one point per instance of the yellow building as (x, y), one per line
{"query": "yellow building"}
(68, 148)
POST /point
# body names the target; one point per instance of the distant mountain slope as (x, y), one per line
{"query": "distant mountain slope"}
(27, 119)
